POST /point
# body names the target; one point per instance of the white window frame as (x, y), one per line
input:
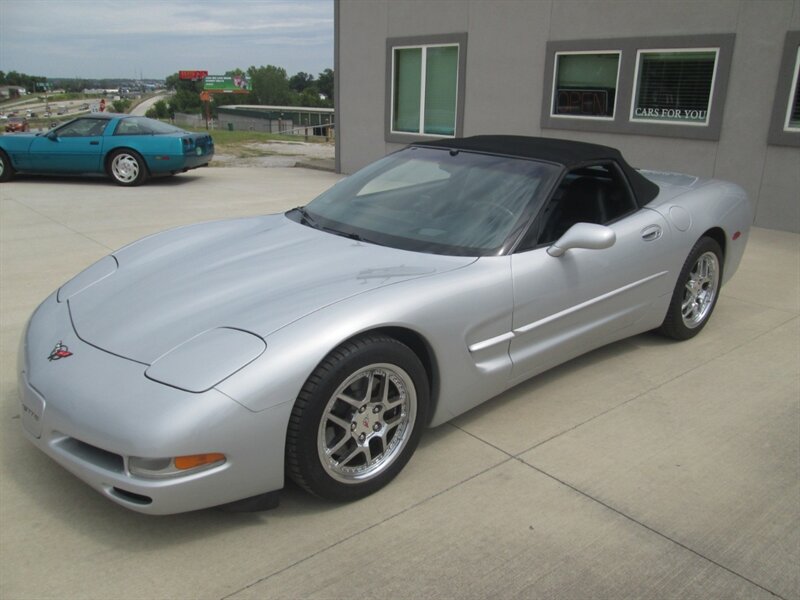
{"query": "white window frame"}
(423, 72)
(635, 87)
(554, 115)
(793, 92)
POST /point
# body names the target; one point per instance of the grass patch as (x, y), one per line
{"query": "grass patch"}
(223, 136)
(238, 143)
(251, 152)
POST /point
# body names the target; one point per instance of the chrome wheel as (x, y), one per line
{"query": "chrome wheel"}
(358, 418)
(696, 291)
(125, 168)
(700, 290)
(367, 423)
(2, 166)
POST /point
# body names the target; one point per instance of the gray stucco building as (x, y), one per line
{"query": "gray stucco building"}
(707, 87)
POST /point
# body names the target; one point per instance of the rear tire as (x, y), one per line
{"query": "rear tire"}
(6, 170)
(696, 291)
(127, 167)
(358, 419)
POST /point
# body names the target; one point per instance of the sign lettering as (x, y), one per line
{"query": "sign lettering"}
(678, 114)
(582, 102)
(193, 75)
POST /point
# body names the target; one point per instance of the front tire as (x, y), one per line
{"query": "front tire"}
(6, 170)
(696, 291)
(127, 167)
(358, 419)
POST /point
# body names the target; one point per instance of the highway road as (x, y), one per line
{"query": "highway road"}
(142, 108)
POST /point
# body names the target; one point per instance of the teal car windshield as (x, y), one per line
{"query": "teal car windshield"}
(434, 200)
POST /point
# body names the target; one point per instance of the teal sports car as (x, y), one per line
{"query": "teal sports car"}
(126, 148)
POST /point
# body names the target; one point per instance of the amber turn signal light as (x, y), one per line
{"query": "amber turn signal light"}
(197, 460)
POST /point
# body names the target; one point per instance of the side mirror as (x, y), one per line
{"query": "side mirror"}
(52, 136)
(584, 235)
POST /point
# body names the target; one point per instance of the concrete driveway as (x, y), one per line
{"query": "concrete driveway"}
(647, 469)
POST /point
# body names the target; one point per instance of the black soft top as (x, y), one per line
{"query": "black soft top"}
(568, 153)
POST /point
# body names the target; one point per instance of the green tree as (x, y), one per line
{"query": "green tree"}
(301, 81)
(29, 82)
(75, 85)
(120, 106)
(325, 84)
(161, 109)
(187, 95)
(270, 85)
(310, 97)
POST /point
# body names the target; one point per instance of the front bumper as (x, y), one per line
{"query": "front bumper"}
(91, 411)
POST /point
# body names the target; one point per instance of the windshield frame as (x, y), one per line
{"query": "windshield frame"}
(526, 216)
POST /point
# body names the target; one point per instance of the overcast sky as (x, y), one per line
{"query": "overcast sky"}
(121, 38)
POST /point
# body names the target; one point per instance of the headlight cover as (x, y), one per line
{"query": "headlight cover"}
(202, 362)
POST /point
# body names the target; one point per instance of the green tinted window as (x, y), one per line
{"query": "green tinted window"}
(425, 82)
(441, 80)
(586, 84)
(407, 86)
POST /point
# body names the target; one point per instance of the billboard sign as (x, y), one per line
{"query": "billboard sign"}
(227, 83)
(193, 75)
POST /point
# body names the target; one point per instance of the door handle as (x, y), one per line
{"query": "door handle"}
(95, 143)
(651, 233)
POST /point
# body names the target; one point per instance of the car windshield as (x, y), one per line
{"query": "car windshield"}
(434, 200)
(144, 126)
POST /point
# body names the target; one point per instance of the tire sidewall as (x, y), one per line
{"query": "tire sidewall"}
(320, 388)
(8, 170)
(673, 324)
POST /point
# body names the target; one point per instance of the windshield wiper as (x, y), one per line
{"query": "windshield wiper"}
(306, 218)
(353, 236)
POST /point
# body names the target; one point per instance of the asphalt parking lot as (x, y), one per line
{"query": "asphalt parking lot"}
(646, 469)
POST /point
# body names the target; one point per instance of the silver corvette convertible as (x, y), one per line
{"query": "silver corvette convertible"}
(199, 366)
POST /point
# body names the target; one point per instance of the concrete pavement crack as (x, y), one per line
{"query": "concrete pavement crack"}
(648, 528)
(364, 530)
(64, 225)
(518, 457)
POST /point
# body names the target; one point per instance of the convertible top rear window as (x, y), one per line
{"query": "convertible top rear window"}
(435, 200)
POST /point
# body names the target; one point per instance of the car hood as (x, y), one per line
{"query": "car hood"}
(17, 141)
(257, 275)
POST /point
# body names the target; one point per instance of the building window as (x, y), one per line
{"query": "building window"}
(674, 86)
(425, 84)
(784, 125)
(424, 94)
(585, 84)
(670, 86)
(793, 110)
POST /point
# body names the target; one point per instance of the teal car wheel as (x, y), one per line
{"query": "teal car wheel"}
(127, 167)
(6, 170)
